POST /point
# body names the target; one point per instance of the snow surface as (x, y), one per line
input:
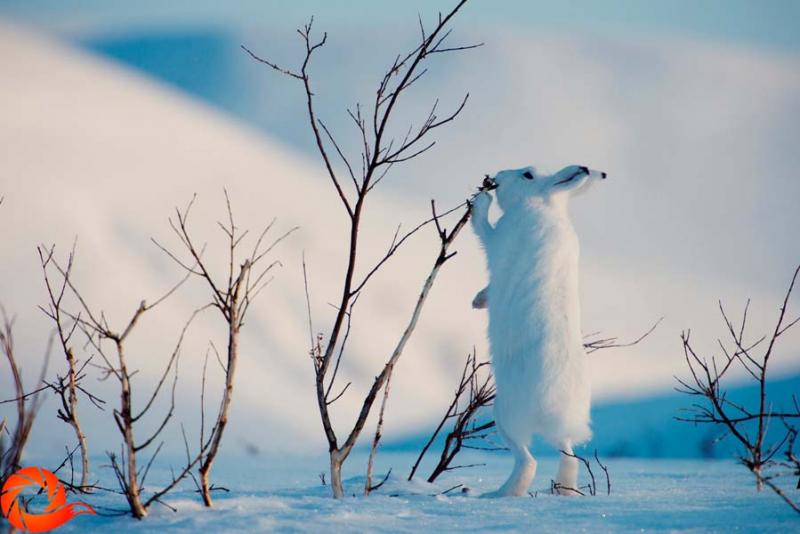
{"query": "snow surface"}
(285, 495)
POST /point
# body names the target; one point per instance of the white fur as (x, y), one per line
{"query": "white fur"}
(534, 317)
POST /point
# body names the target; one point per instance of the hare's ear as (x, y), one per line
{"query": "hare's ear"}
(481, 300)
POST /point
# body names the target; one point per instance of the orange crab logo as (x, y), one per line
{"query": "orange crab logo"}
(55, 514)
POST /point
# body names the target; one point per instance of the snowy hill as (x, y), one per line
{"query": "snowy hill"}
(701, 176)
(92, 149)
(106, 155)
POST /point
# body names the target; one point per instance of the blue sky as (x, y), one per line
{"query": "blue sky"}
(764, 23)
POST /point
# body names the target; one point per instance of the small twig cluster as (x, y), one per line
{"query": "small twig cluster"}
(747, 425)
(475, 391)
(474, 394)
(590, 489)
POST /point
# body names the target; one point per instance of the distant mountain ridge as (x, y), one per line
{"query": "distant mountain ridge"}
(648, 428)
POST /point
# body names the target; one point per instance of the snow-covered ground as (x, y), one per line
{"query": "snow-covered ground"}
(285, 495)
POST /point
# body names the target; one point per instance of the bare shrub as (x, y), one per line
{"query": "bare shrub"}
(69, 386)
(232, 297)
(110, 345)
(378, 155)
(748, 425)
(26, 403)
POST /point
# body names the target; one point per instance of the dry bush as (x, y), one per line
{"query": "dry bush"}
(379, 153)
(68, 387)
(26, 403)
(748, 425)
(247, 276)
(109, 344)
(474, 394)
(475, 391)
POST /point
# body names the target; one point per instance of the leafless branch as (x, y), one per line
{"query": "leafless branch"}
(27, 403)
(99, 333)
(67, 387)
(379, 153)
(748, 425)
(475, 391)
(592, 482)
(232, 297)
(368, 487)
(592, 345)
(605, 471)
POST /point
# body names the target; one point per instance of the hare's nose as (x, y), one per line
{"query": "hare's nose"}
(488, 183)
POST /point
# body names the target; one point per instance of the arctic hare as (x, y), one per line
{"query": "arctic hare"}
(534, 317)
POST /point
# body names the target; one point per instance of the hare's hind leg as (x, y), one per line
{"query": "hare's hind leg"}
(567, 471)
(524, 467)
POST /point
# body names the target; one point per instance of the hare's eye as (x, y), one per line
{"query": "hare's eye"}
(528, 175)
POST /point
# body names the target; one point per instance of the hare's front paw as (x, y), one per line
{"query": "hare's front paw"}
(481, 203)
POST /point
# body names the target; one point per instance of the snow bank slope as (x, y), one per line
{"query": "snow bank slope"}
(90, 150)
(650, 495)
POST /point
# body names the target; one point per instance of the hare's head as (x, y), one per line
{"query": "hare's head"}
(517, 186)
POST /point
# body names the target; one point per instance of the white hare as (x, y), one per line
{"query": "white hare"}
(535, 336)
